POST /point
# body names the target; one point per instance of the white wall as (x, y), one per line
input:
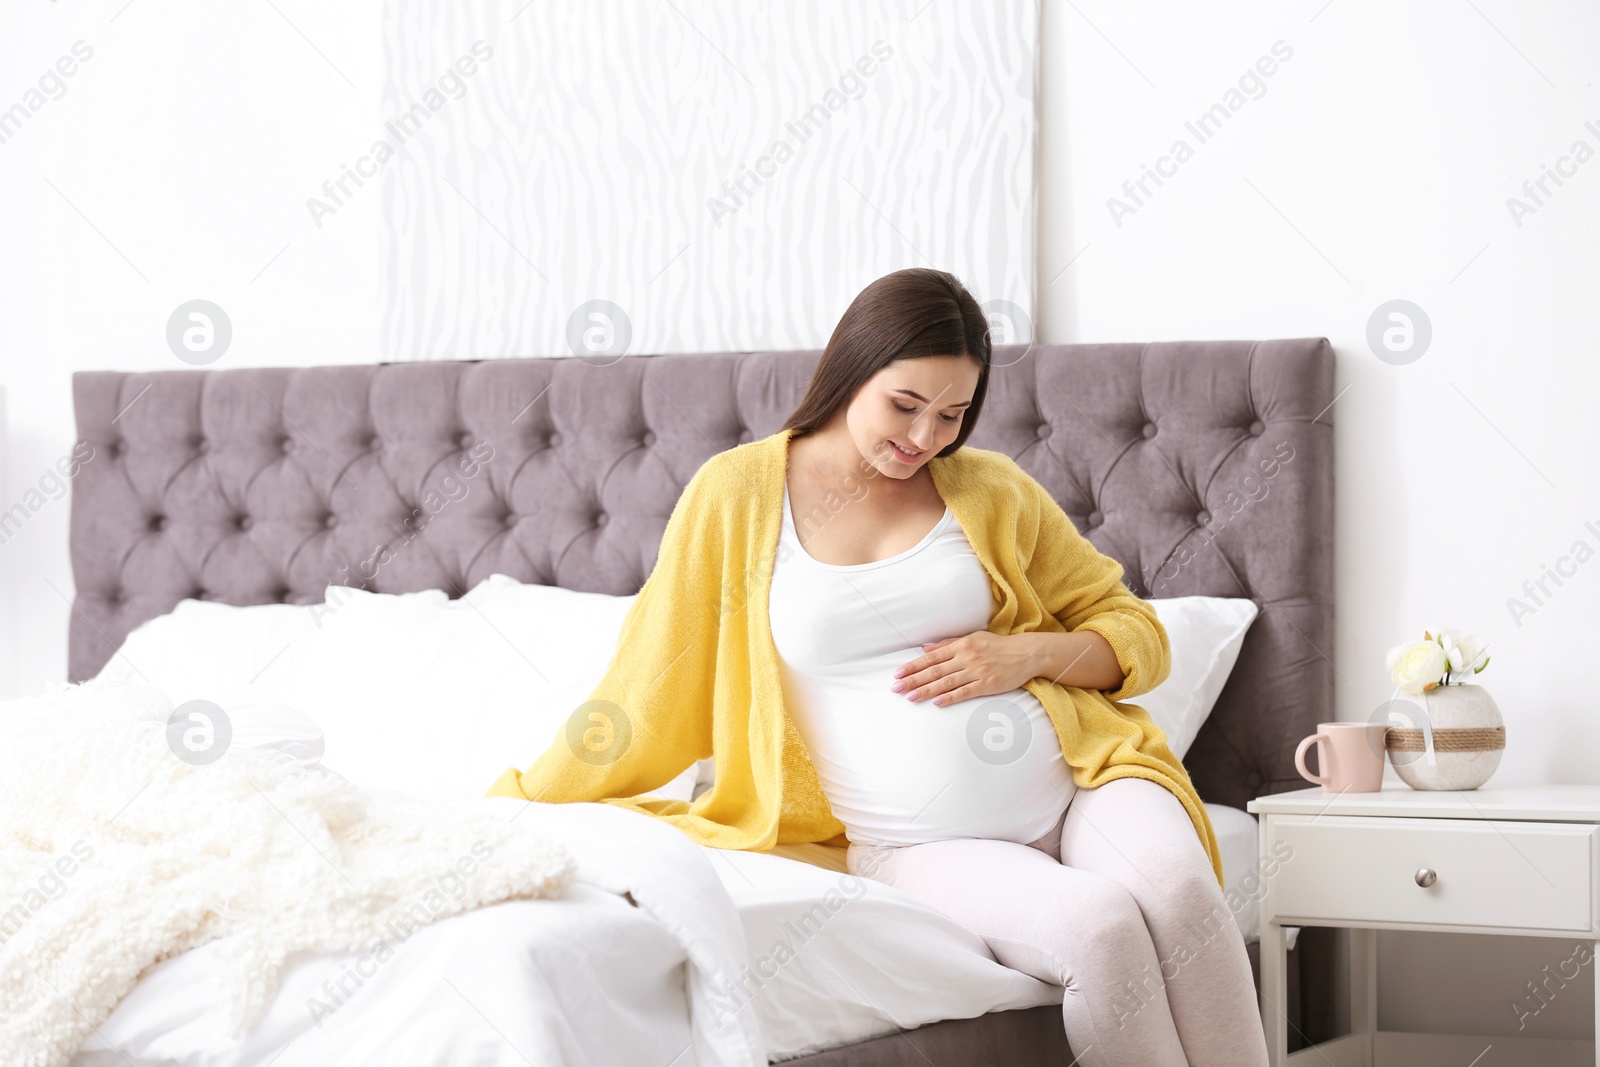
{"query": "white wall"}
(1376, 166)
(1388, 142)
(175, 166)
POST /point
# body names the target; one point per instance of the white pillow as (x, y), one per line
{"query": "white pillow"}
(409, 692)
(202, 650)
(435, 698)
(238, 658)
(1205, 633)
(268, 726)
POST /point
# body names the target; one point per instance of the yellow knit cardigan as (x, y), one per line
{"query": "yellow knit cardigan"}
(696, 675)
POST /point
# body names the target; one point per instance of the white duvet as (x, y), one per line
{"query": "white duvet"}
(152, 902)
(586, 979)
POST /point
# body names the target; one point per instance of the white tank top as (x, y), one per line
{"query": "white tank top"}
(897, 772)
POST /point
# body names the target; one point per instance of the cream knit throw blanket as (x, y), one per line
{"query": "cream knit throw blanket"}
(115, 854)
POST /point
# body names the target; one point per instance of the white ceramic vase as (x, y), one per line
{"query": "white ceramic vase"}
(1454, 744)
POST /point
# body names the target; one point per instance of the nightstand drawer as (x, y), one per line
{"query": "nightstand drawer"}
(1528, 875)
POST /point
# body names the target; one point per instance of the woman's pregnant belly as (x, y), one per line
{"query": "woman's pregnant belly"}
(902, 773)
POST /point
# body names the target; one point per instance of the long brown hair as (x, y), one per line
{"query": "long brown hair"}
(905, 315)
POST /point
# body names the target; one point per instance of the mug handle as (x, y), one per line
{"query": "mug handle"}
(1300, 760)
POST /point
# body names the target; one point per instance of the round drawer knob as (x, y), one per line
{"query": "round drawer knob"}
(1426, 877)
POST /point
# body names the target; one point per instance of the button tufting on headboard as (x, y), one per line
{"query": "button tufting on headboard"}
(408, 476)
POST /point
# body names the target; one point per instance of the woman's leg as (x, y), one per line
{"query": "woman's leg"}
(1138, 834)
(1077, 929)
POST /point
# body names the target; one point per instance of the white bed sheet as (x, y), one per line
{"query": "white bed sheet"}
(835, 959)
(1239, 842)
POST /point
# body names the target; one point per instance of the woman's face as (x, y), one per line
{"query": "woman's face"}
(913, 406)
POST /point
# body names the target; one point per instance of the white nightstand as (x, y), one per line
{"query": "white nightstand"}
(1519, 860)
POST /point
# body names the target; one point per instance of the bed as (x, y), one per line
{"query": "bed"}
(264, 486)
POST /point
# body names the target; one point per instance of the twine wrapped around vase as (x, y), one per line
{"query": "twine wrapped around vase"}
(1475, 739)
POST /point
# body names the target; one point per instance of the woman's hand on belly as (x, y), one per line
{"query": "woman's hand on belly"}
(962, 668)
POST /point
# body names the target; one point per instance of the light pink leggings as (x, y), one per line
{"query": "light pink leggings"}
(1130, 922)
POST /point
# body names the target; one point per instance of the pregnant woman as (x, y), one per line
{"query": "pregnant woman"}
(888, 640)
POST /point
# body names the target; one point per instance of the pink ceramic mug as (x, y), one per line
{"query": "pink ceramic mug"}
(1350, 755)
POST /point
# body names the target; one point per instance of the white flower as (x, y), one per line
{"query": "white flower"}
(1465, 654)
(1417, 665)
(1464, 651)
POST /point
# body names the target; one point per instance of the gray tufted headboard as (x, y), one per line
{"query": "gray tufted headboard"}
(1204, 468)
